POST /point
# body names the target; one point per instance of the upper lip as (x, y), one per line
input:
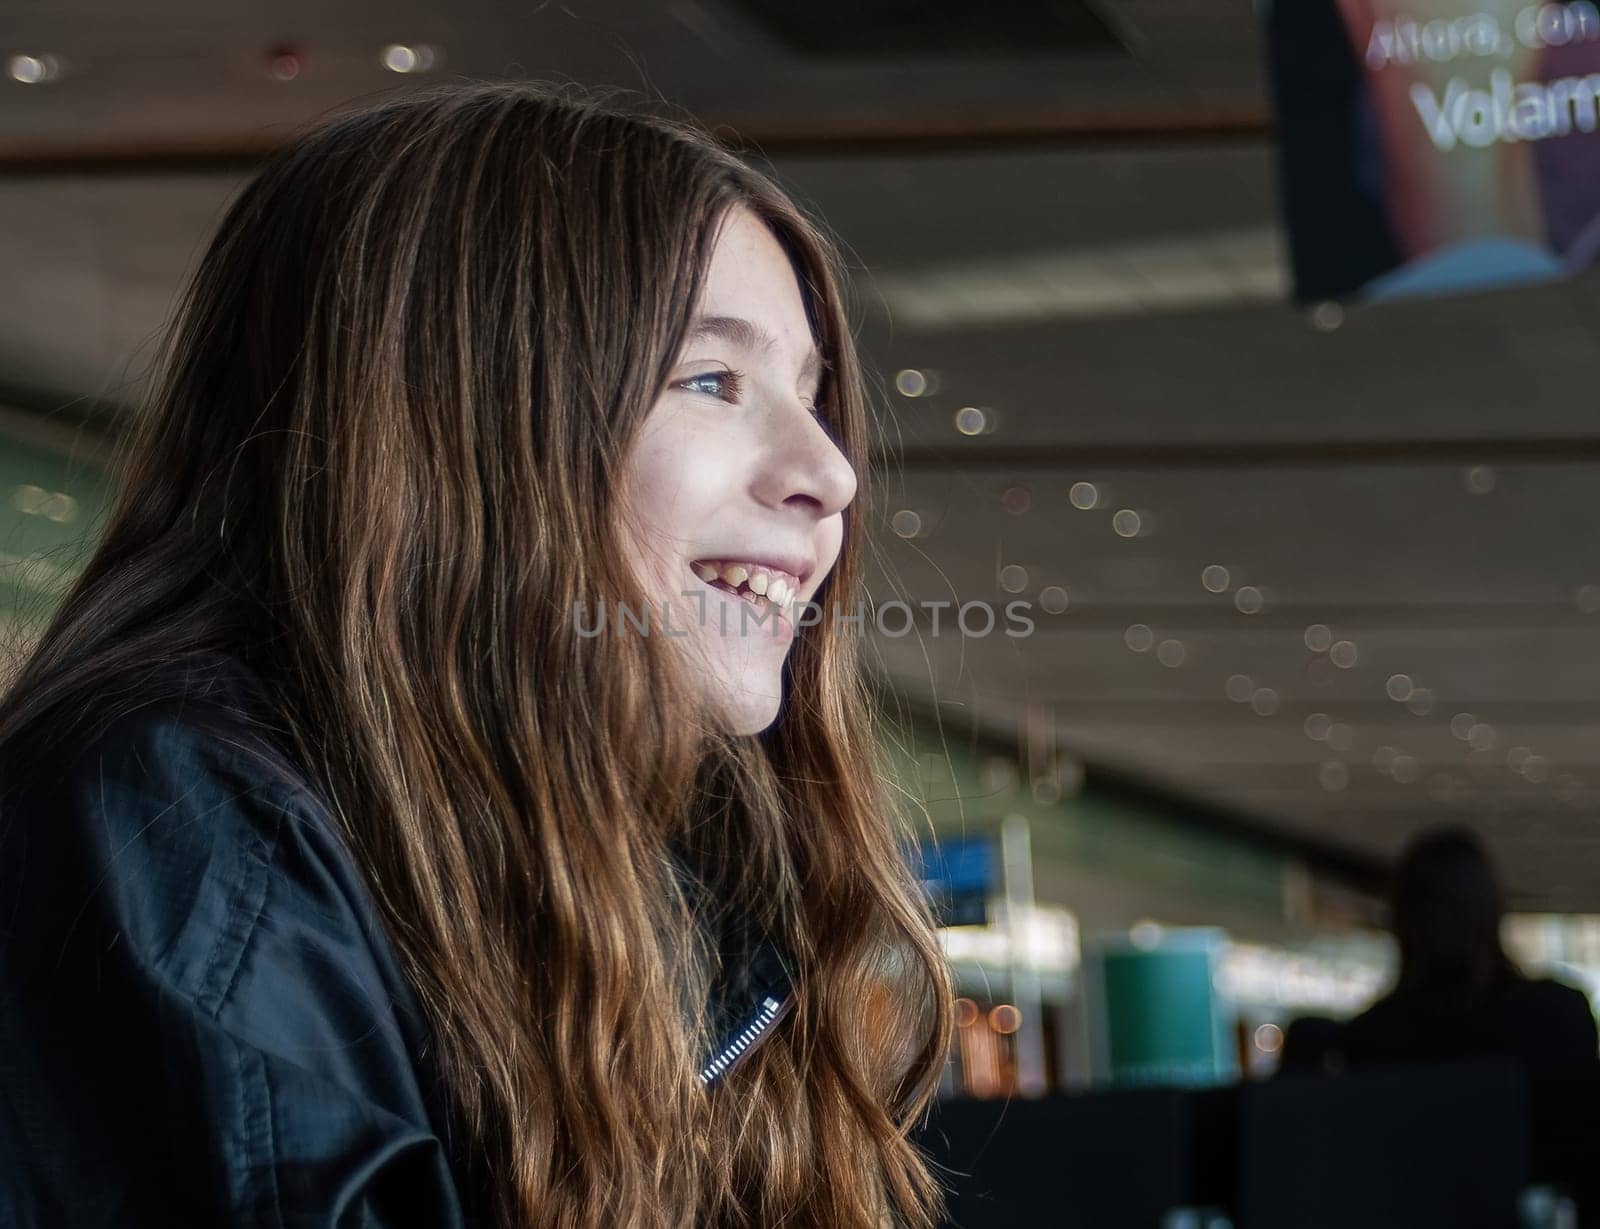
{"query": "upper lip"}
(796, 566)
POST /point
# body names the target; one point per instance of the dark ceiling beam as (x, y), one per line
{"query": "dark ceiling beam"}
(1244, 454)
(1336, 861)
(1266, 774)
(1348, 620)
(163, 157)
(934, 132)
(1182, 712)
(1343, 863)
(68, 431)
(1379, 806)
(86, 427)
(864, 133)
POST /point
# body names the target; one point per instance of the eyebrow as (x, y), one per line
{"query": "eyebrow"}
(751, 336)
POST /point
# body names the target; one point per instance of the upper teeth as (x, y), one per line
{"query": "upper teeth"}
(779, 588)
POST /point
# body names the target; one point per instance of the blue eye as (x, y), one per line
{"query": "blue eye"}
(722, 384)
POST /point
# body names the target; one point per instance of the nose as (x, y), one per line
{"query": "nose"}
(804, 466)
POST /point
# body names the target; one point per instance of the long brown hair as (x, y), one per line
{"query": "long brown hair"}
(382, 462)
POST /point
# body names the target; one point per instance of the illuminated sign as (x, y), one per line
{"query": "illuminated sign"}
(1436, 145)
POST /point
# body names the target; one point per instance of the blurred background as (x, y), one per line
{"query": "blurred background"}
(1254, 349)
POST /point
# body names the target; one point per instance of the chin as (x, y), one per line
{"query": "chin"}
(750, 714)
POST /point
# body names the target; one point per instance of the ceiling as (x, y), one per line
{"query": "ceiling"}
(192, 72)
(1086, 247)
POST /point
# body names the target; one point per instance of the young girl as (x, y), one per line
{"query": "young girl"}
(448, 795)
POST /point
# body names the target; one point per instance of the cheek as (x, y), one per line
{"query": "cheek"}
(680, 479)
(830, 542)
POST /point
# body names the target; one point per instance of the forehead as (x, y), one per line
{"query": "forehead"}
(750, 277)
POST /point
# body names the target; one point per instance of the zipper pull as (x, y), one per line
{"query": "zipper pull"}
(766, 1017)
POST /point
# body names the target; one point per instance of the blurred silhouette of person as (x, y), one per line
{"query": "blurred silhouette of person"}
(1458, 993)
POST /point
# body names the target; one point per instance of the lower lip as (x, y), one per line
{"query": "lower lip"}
(774, 625)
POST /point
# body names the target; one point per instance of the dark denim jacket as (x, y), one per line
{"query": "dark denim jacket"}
(202, 1021)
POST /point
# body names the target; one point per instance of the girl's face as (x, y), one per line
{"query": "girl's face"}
(735, 487)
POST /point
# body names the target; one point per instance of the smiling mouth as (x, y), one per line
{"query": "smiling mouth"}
(762, 587)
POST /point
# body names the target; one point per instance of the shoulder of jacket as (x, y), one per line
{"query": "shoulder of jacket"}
(170, 831)
(173, 748)
(180, 922)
